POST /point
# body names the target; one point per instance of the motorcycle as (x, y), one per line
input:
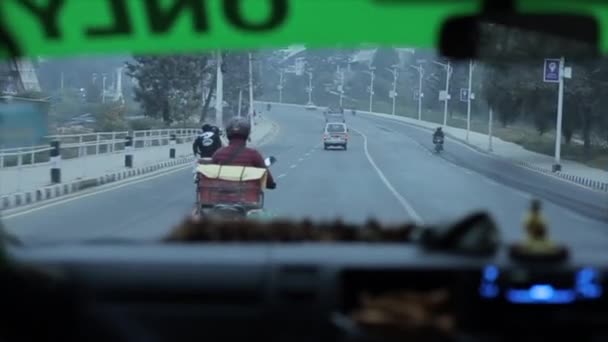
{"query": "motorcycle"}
(230, 200)
(354, 112)
(438, 141)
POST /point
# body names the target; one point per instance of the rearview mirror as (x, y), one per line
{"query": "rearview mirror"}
(269, 161)
(520, 37)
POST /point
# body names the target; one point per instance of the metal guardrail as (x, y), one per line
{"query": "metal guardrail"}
(87, 144)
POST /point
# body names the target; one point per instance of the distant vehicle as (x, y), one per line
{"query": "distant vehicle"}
(335, 134)
(335, 117)
(311, 106)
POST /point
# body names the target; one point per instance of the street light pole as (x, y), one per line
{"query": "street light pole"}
(447, 94)
(490, 122)
(341, 86)
(371, 88)
(309, 87)
(420, 75)
(281, 86)
(394, 94)
(219, 90)
(250, 88)
(448, 72)
(469, 99)
(103, 88)
(240, 102)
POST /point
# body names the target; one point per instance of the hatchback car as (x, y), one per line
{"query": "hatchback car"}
(335, 134)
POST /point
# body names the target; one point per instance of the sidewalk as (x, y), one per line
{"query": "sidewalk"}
(30, 177)
(571, 171)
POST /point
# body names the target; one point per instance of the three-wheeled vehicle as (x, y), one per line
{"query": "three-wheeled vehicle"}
(230, 192)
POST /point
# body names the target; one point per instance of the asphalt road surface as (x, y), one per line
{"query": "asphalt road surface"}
(389, 172)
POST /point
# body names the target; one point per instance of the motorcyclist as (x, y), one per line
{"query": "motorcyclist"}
(206, 144)
(268, 107)
(237, 152)
(438, 134)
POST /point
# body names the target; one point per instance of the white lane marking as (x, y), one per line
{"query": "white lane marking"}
(489, 181)
(293, 166)
(281, 175)
(301, 159)
(404, 203)
(307, 154)
(79, 197)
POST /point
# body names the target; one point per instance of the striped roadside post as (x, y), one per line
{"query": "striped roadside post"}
(55, 159)
(172, 143)
(129, 151)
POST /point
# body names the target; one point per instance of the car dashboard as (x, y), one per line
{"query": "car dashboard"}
(293, 291)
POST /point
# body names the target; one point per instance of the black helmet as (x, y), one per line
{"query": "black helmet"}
(238, 128)
(439, 129)
(207, 128)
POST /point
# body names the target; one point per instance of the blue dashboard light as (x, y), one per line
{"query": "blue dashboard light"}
(590, 291)
(587, 283)
(490, 273)
(541, 292)
(488, 290)
(586, 275)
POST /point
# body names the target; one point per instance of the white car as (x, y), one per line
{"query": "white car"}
(311, 106)
(335, 134)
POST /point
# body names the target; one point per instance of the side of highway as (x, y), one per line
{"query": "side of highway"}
(572, 171)
(27, 185)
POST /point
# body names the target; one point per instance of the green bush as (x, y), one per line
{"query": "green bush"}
(145, 124)
(111, 118)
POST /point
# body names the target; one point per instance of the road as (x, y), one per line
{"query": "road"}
(388, 172)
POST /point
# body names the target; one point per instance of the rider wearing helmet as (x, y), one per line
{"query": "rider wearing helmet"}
(237, 152)
(206, 144)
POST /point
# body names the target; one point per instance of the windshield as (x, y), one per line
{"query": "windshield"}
(106, 147)
(336, 128)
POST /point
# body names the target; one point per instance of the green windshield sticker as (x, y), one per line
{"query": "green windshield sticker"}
(71, 27)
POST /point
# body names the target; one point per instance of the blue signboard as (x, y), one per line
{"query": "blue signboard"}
(551, 70)
(23, 123)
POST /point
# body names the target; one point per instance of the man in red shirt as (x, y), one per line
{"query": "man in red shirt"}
(237, 153)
